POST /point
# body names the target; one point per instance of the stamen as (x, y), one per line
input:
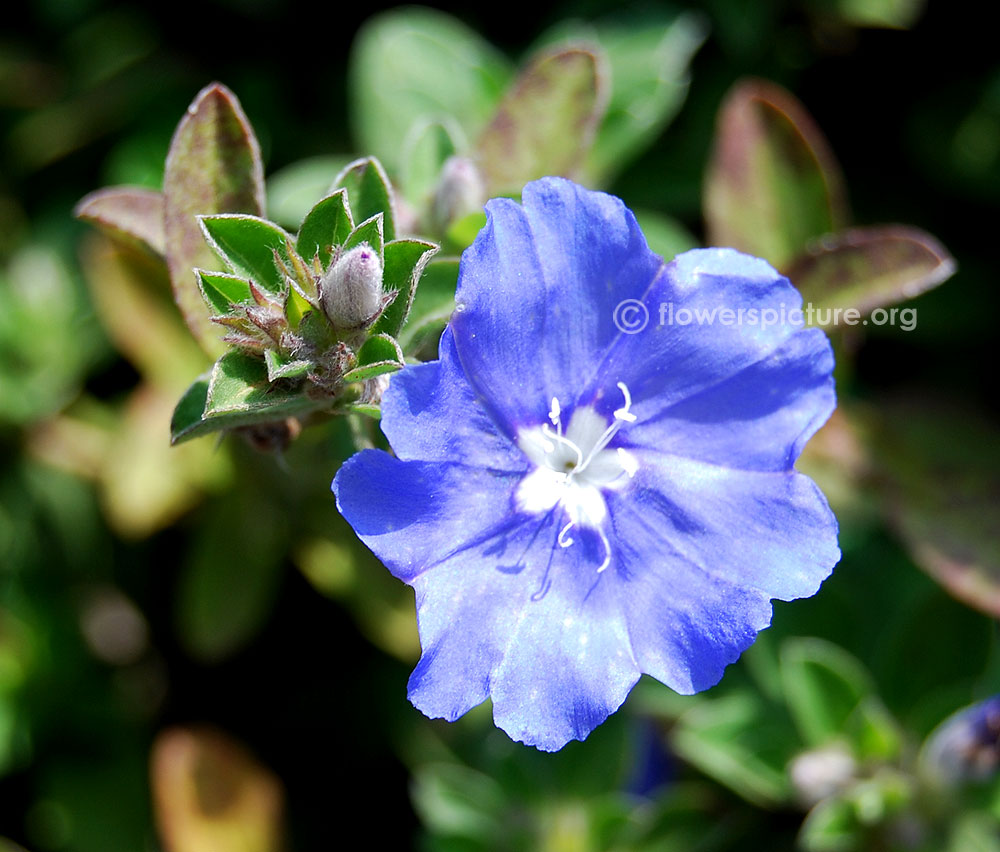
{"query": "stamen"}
(554, 413)
(622, 416)
(623, 413)
(563, 541)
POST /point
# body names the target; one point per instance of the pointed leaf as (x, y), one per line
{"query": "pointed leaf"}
(412, 64)
(546, 122)
(403, 265)
(130, 214)
(237, 393)
(773, 184)
(369, 192)
(369, 231)
(868, 268)
(213, 166)
(328, 224)
(222, 291)
(248, 244)
(649, 58)
(823, 686)
(378, 355)
(279, 367)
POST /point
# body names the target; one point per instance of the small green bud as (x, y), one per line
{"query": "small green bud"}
(350, 291)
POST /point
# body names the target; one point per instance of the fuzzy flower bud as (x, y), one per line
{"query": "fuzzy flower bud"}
(351, 289)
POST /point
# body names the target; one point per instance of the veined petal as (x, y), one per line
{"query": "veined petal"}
(431, 412)
(414, 515)
(759, 418)
(537, 292)
(764, 531)
(712, 314)
(530, 624)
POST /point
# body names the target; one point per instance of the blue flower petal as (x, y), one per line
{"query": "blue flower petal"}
(431, 413)
(690, 343)
(760, 418)
(555, 657)
(772, 532)
(414, 515)
(537, 292)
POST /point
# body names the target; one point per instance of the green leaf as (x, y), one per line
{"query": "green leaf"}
(369, 231)
(237, 393)
(425, 150)
(740, 742)
(831, 826)
(187, 417)
(213, 166)
(649, 58)
(415, 64)
(279, 367)
(248, 244)
(229, 581)
(403, 265)
(772, 184)
(546, 122)
(464, 231)
(891, 14)
(129, 214)
(823, 686)
(869, 268)
(378, 355)
(369, 192)
(433, 304)
(328, 224)
(222, 291)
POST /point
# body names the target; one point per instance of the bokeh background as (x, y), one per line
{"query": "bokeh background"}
(198, 622)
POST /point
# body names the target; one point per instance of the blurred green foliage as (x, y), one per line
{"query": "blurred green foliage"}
(146, 589)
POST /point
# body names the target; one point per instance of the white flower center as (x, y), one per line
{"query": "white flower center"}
(572, 470)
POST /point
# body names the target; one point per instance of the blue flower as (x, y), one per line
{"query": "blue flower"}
(575, 505)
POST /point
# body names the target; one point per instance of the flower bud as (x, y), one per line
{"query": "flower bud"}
(966, 745)
(351, 289)
(460, 191)
(820, 773)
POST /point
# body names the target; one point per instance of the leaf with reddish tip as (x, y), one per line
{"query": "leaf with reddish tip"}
(939, 474)
(869, 268)
(213, 166)
(546, 122)
(128, 214)
(773, 183)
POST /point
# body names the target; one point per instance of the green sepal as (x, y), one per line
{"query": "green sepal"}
(378, 355)
(314, 329)
(248, 245)
(369, 192)
(296, 307)
(279, 367)
(403, 264)
(326, 226)
(370, 231)
(221, 291)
